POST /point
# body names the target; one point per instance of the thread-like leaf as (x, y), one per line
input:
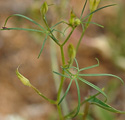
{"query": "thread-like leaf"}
(42, 46)
(61, 74)
(19, 15)
(72, 67)
(96, 65)
(93, 86)
(86, 100)
(69, 73)
(79, 99)
(58, 31)
(103, 74)
(57, 24)
(65, 29)
(25, 29)
(77, 65)
(105, 106)
(82, 26)
(67, 90)
(97, 10)
(83, 9)
(95, 24)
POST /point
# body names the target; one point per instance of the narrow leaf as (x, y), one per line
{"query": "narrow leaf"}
(68, 72)
(72, 67)
(25, 29)
(57, 24)
(67, 90)
(90, 66)
(95, 24)
(79, 99)
(86, 100)
(105, 106)
(19, 15)
(77, 65)
(65, 29)
(110, 75)
(82, 26)
(83, 9)
(97, 10)
(58, 31)
(61, 74)
(42, 46)
(93, 86)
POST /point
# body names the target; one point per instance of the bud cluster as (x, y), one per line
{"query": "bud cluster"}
(73, 21)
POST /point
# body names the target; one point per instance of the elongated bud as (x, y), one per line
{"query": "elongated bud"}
(72, 18)
(24, 80)
(71, 21)
(71, 51)
(44, 9)
(93, 4)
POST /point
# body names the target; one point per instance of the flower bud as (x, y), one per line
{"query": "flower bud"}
(93, 4)
(71, 21)
(71, 51)
(72, 18)
(77, 22)
(44, 9)
(24, 80)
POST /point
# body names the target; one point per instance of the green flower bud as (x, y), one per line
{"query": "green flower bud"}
(44, 9)
(77, 22)
(71, 51)
(71, 21)
(93, 4)
(72, 15)
(24, 80)
(72, 18)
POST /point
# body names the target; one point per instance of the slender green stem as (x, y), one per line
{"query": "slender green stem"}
(89, 19)
(60, 112)
(49, 100)
(63, 72)
(86, 109)
(83, 32)
(61, 85)
(52, 36)
(62, 55)
(68, 36)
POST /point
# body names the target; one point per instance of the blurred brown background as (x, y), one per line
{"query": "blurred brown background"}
(18, 102)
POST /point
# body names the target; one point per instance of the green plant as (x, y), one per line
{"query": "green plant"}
(67, 66)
